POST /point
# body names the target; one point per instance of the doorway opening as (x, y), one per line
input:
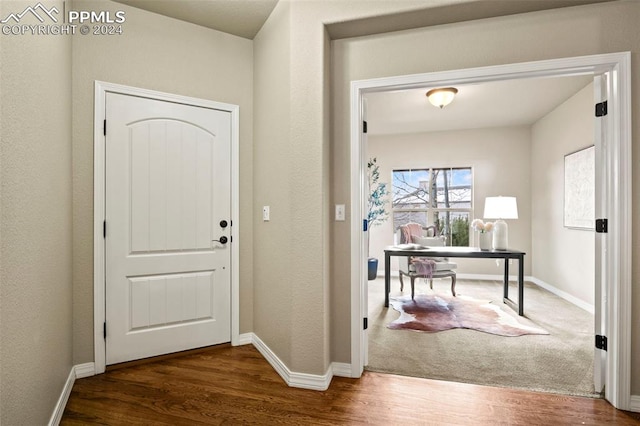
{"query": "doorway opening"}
(615, 261)
(441, 165)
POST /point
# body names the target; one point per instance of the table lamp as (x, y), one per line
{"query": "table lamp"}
(500, 208)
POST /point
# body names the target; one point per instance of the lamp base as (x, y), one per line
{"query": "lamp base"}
(500, 235)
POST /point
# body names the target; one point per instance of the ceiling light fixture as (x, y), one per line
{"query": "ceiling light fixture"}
(441, 97)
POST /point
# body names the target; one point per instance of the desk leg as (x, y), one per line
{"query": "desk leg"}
(387, 278)
(506, 278)
(521, 285)
(519, 306)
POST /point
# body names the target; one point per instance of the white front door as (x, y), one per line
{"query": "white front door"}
(167, 195)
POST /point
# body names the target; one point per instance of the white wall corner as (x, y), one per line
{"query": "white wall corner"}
(634, 403)
(58, 410)
(293, 379)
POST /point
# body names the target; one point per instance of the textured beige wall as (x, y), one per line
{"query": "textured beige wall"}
(273, 251)
(292, 277)
(584, 30)
(162, 54)
(35, 222)
(563, 257)
(308, 187)
(493, 174)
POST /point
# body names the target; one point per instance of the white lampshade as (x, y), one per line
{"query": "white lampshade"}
(500, 208)
(441, 97)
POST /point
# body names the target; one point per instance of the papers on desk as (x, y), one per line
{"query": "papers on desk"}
(411, 247)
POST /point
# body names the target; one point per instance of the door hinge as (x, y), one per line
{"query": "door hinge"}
(365, 323)
(364, 127)
(601, 109)
(602, 226)
(104, 329)
(601, 342)
(104, 127)
(104, 229)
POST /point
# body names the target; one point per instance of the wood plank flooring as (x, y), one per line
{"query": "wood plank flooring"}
(236, 385)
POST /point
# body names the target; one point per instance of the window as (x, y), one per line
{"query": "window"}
(439, 197)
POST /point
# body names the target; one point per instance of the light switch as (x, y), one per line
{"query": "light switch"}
(265, 213)
(340, 212)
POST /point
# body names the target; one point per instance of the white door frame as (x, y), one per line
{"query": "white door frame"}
(618, 186)
(101, 89)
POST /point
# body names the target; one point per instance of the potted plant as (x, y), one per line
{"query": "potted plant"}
(377, 209)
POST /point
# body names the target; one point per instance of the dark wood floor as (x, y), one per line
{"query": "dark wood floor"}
(235, 385)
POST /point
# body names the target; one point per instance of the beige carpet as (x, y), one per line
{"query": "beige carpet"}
(561, 362)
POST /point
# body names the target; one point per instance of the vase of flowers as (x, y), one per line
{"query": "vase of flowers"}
(484, 228)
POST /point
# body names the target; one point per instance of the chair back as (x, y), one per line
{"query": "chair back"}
(427, 239)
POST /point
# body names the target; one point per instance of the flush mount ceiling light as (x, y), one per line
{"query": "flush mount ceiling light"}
(441, 97)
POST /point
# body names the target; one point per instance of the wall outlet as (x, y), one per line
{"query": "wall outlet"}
(265, 213)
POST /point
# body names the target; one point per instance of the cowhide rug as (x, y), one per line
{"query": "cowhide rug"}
(432, 313)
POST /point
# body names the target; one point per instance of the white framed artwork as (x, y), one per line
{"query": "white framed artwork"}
(579, 189)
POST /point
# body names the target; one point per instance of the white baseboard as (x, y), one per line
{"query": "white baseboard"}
(77, 372)
(291, 378)
(341, 369)
(634, 403)
(85, 370)
(563, 294)
(243, 339)
(560, 293)
(58, 410)
(310, 381)
(488, 277)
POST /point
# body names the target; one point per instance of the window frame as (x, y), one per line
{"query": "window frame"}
(432, 212)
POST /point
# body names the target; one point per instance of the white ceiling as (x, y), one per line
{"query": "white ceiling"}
(493, 104)
(243, 18)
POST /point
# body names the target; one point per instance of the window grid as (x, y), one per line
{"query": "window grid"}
(435, 196)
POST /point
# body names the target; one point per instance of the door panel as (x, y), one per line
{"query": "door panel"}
(167, 189)
(170, 299)
(171, 187)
